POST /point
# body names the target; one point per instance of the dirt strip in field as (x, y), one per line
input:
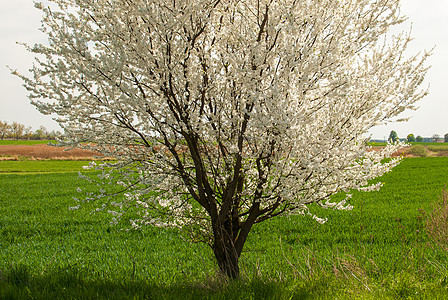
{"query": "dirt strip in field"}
(43, 151)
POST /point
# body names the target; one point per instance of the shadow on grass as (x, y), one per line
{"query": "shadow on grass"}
(18, 283)
(69, 283)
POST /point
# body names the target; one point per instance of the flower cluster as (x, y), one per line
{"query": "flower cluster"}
(217, 110)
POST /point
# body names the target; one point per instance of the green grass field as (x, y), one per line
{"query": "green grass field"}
(380, 250)
(26, 142)
(25, 167)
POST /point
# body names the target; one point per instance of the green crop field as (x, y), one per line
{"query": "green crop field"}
(42, 166)
(25, 142)
(379, 250)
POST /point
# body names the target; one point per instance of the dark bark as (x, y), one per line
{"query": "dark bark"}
(229, 239)
(226, 253)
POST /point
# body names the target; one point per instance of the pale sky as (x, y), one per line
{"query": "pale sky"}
(19, 21)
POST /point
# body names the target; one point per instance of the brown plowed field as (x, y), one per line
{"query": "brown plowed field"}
(43, 151)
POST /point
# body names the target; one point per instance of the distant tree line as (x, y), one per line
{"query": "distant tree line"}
(393, 137)
(18, 131)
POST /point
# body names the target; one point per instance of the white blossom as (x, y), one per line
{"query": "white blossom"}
(225, 109)
(320, 220)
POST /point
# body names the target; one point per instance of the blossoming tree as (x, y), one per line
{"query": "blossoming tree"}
(225, 113)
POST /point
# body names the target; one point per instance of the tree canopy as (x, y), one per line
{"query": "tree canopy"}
(410, 138)
(393, 136)
(223, 114)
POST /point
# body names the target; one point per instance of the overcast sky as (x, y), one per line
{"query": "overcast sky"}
(19, 21)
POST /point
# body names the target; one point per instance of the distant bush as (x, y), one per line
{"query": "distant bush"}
(418, 150)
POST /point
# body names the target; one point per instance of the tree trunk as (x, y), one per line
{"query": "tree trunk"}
(229, 239)
(226, 253)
